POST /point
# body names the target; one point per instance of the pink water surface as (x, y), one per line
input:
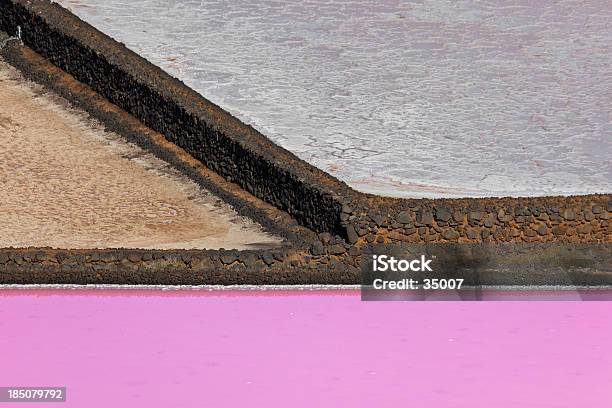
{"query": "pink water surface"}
(309, 349)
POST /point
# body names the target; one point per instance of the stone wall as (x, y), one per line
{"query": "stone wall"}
(479, 264)
(539, 219)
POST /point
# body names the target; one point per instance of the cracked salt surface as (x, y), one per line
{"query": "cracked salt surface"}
(442, 99)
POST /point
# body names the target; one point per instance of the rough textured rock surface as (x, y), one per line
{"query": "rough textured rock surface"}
(480, 264)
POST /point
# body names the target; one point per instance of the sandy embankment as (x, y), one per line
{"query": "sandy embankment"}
(67, 183)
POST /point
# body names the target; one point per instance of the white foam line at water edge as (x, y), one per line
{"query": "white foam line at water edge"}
(279, 287)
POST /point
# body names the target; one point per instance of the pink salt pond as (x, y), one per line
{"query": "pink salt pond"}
(153, 348)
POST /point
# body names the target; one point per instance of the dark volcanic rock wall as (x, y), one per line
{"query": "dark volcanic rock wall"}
(539, 219)
(480, 264)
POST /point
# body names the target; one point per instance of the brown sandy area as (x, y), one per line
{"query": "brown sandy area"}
(67, 183)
